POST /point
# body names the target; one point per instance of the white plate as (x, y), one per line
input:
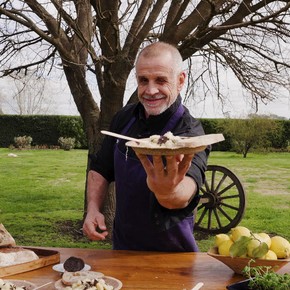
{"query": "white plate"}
(21, 283)
(59, 268)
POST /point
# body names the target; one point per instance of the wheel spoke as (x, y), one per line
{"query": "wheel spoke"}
(217, 218)
(230, 197)
(209, 218)
(230, 206)
(226, 189)
(205, 188)
(202, 216)
(224, 213)
(220, 183)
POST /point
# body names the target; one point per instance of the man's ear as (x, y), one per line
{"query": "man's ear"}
(181, 80)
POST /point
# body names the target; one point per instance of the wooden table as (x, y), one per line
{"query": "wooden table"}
(146, 270)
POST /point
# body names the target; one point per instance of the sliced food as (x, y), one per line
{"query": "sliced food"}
(68, 278)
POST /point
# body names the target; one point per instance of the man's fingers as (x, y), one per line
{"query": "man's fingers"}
(95, 228)
(185, 163)
(145, 162)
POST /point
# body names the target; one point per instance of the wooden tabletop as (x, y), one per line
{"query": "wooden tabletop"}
(145, 270)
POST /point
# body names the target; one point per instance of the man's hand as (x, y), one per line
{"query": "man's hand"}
(169, 183)
(94, 226)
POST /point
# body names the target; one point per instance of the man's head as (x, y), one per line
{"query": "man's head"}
(160, 77)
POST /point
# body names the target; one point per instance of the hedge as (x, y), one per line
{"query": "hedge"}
(46, 129)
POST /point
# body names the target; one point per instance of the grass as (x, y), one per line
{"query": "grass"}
(266, 180)
(41, 197)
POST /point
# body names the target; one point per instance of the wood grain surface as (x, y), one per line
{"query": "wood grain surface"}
(146, 270)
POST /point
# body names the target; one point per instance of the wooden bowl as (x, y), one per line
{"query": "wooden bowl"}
(237, 264)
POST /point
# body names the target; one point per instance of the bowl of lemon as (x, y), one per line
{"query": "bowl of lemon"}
(241, 248)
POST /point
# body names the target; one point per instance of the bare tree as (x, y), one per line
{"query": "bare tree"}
(29, 94)
(103, 37)
(1, 102)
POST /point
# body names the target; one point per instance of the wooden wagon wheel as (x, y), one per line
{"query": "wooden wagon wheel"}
(222, 202)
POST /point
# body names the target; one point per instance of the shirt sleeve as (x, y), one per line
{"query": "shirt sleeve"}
(103, 160)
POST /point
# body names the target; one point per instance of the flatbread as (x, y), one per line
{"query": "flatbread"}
(185, 145)
(16, 255)
(6, 240)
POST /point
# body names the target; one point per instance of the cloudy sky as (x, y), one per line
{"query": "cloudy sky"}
(61, 102)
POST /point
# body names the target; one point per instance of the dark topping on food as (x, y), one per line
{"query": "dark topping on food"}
(162, 140)
(73, 264)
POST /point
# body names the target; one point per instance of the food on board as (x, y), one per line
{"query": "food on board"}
(10, 254)
(6, 239)
(16, 255)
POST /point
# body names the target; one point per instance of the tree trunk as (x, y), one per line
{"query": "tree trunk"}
(94, 120)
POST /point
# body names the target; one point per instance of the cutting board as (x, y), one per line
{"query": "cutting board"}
(46, 257)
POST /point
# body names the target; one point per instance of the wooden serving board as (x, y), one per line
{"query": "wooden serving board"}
(46, 257)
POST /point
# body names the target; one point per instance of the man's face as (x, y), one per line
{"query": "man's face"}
(159, 83)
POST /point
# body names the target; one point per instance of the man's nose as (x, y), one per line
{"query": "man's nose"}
(151, 89)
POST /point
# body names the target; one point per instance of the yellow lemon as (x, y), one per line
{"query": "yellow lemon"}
(270, 256)
(224, 247)
(280, 246)
(265, 238)
(218, 239)
(239, 231)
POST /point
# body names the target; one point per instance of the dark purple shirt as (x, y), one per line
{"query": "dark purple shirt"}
(103, 161)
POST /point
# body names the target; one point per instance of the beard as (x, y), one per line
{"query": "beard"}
(155, 105)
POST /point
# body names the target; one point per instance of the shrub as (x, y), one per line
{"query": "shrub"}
(66, 143)
(23, 142)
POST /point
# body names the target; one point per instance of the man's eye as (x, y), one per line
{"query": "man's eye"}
(161, 81)
(142, 81)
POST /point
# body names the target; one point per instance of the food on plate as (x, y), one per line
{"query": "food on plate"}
(73, 264)
(87, 280)
(242, 242)
(168, 144)
(69, 278)
(6, 239)
(6, 285)
(167, 140)
(92, 284)
(16, 255)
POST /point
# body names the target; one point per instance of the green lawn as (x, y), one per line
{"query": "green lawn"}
(41, 196)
